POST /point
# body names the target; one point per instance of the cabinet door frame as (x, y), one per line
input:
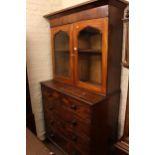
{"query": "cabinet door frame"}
(102, 25)
(68, 29)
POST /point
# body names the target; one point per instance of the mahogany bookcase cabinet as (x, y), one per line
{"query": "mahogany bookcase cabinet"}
(81, 102)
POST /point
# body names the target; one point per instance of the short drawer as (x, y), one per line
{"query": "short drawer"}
(79, 108)
(50, 94)
(49, 106)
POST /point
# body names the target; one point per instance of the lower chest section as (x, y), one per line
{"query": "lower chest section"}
(79, 122)
(67, 122)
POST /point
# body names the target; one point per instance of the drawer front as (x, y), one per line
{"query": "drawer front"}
(73, 122)
(55, 137)
(67, 122)
(77, 107)
(50, 94)
(64, 144)
(72, 150)
(74, 137)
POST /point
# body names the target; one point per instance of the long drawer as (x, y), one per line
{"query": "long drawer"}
(64, 144)
(76, 138)
(77, 107)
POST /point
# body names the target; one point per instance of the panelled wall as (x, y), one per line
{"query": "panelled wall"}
(39, 64)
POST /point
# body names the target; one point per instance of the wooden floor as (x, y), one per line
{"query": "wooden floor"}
(36, 147)
(53, 148)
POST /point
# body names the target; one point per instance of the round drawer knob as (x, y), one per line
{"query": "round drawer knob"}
(73, 106)
(74, 138)
(52, 122)
(74, 122)
(51, 108)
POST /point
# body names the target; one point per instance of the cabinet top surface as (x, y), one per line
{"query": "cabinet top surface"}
(84, 6)
(75, 92)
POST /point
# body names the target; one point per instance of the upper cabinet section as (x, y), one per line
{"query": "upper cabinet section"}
(80, 53)
(87, 45)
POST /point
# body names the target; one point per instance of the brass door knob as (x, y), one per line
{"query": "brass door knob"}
(75, 48)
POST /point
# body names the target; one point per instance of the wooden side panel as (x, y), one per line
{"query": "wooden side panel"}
(104, 125)
(114, 48)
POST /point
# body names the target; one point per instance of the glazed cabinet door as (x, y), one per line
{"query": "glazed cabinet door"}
(90, 48)
(62, 53)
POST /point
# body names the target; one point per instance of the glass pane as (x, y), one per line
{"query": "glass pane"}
(90, 56)
(62, 55)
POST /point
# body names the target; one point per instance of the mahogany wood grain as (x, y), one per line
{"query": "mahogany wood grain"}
(83, 95)
(85, 6)
(95, 13)
(115, 39)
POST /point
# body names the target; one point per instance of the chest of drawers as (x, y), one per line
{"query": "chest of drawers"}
(78, 121)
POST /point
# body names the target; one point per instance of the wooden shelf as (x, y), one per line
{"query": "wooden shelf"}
(93, 51)
(92, 83)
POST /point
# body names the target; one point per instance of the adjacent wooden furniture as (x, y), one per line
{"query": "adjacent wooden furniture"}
(122, 146)
(81, 103)
(34, 146)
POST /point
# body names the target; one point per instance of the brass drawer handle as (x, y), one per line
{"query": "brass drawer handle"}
(74, 122)
(73, 106)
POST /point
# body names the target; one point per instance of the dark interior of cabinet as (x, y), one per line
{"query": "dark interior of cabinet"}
(90, 56)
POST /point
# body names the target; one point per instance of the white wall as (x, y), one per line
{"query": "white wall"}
(69, 3)
(39, 62)
(39, 65)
